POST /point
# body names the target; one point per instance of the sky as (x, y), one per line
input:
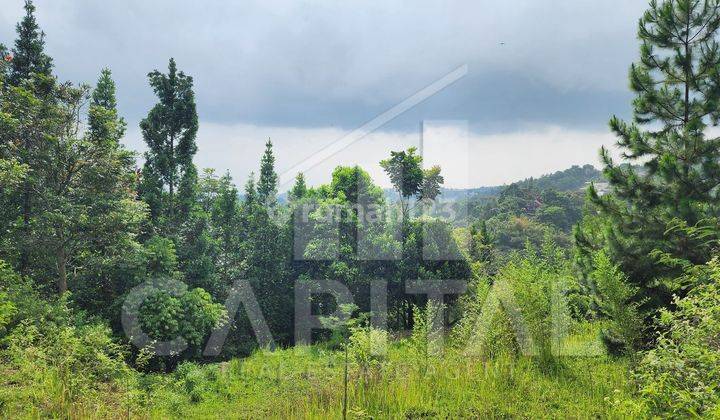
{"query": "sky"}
(543, 77)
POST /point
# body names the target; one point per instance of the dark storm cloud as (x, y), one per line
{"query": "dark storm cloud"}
(318, 64)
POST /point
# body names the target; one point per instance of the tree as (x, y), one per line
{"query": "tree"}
(103, 121)
(298, 190)
(30, 68)
(410, 180)
(84, 212)
(677, 89)
(87, 207)
(481, 244)
(29, 53)
(169, 131)
(267, 184)
(250, 190)
(679, 377)
(190, 313)
(105, 195)
(227, 233)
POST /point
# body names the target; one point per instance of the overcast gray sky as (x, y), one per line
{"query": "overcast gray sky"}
(544, 76)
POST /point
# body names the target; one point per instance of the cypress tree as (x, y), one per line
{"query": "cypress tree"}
(169, 131)
(674, 169)
(267, 184)
(300, 188)
(103, 120)
(250, 190)
(29, 62)
(29, 53)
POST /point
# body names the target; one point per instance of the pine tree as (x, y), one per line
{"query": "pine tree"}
(300, 188)
(227, 232)
(106, 198)
(31, 67)
(103, 120)
(267, 184)
(250, 190)
(169, 131)
(29, 53)
(481, 244)
(677, 89)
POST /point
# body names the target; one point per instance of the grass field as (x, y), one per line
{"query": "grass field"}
(307, 382)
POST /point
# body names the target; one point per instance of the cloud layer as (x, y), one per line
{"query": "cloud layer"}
(302, 71)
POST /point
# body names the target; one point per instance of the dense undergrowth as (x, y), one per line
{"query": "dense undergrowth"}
(56, 363)
(307, 382)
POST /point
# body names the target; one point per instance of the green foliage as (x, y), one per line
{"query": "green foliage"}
(299, 189)
(29, 52)
(341, 325)
(104, 123)
(75, 208)
(72, 223)
(368, 348)
(482, 332)
(161, 257)
(405, 171)
(191, 315)
(427, 335)
(615, 300)
(522, 310)
(267, 183)
(409, 179)
(307, 382)
(55, 362)
(676, 99)
(169, 131)
(680, 377)
(571, 179)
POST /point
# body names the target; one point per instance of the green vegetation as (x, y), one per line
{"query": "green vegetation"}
(115, 281)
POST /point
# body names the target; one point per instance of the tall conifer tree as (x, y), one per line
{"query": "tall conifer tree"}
(299, 189)
(103, 121)
(31, 66)
(169, 131)
(267, 184)
(677, 172)
(29, 53)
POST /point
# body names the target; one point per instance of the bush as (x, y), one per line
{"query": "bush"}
(191, 315)
(680, 377)
(368, 348)
(487, 338)
(524, 309)
(614, 295)
(54, 361)
(426, 335)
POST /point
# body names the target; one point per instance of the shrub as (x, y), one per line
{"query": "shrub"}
(191, 315)
(680, 377)
(614, 298)
(368, 348)
(53, 358)
(491, 338)
(524, 308)
(427, 335)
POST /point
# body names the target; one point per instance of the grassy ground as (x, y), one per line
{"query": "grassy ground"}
(307, 382)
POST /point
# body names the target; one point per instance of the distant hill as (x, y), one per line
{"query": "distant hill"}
(455, 194)
(571, 179)
(574, 178)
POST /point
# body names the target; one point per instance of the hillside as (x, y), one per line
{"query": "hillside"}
(574, 178)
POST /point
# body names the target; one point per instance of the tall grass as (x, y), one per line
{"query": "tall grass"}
(307, 382)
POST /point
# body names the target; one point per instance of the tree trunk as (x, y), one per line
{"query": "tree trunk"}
(62, 271)
(24, 258)
(171, 187)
